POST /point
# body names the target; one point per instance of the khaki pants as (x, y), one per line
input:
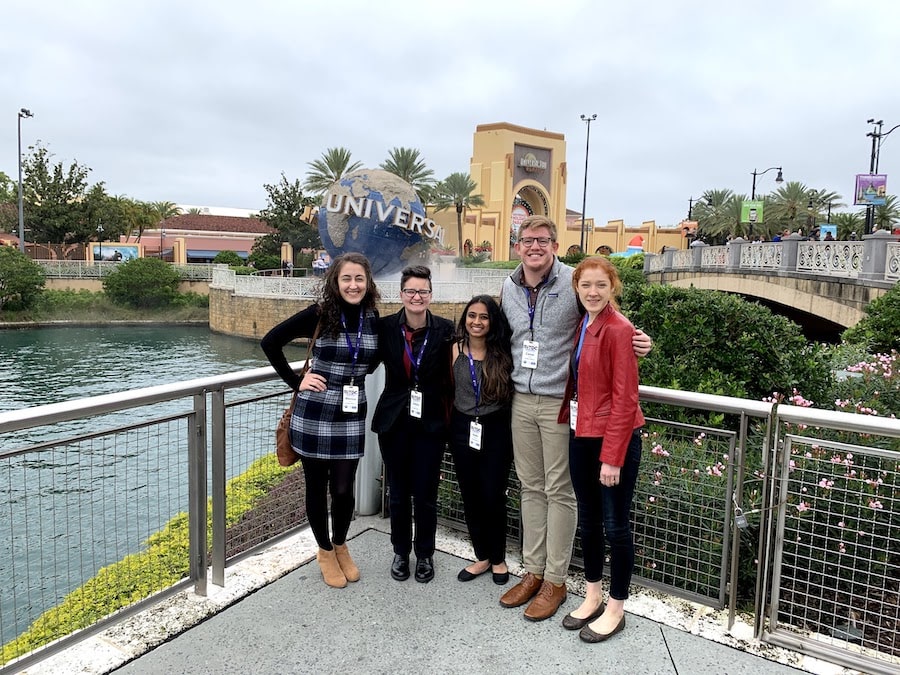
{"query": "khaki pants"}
(549, 513)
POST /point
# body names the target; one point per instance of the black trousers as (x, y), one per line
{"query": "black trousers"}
(412, 464)
(483, 476)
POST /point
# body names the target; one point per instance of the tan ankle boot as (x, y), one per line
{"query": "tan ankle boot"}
(348, 567)
(331, 571)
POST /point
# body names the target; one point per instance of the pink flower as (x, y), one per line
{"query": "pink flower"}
(802, 506)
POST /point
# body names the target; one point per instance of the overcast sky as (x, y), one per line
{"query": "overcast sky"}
(203, 102)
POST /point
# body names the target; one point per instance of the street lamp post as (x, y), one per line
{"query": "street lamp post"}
(877, 139)
(162, 237)
(778, 179)
(587, 147)
(23, 114)
(100, 239)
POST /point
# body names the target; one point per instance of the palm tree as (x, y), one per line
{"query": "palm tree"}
(849, 224)
(888, 214)
(164, 210)
(789, 206)
(715, 215)
(407, 164)
(334, 164)
(456, 190)
(194, 211)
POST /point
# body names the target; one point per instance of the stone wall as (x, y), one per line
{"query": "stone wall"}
(252, 316)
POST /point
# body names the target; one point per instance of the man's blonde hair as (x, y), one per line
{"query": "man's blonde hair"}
(534, 222)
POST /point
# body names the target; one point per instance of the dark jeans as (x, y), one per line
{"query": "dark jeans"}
(604, 512)
(412, 463)
(335, 476)
(483, 476)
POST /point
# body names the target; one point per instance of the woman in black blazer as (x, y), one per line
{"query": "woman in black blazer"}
(411, 419)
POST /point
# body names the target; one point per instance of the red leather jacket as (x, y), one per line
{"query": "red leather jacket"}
(608, 405)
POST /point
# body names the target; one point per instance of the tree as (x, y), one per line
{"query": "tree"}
(265, 254)
(229, 258)
(849, 224)
(879, 329)
(285, 209)
(717, 214)
(456, 190)
(162, 211)
(142, 283)
(888, 214)
(21, 279)
(334, 164)
(9, 191)
(407, 164)
(53, 198)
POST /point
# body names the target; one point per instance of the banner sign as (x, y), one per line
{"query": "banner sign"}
(871, 189)
(752, 211)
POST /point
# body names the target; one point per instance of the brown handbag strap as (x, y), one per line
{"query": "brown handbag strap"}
(309, 348)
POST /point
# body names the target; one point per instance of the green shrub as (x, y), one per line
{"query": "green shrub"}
(229, 258)
(879, 330)
(143, 282)
(21, 279)
(716, 343)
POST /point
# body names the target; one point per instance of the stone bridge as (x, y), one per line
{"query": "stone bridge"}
(828, 281)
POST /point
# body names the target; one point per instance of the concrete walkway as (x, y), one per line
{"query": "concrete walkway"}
(296, 624)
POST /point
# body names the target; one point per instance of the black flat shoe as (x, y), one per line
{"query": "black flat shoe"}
(424, 570)
(500, 578)
(570, 622)
(400, 567)
(587, 635)
(466, 575)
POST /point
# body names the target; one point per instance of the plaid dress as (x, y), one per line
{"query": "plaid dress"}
(319, 428)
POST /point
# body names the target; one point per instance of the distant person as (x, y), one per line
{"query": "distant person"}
(540, 304)
(605, 419)
(319, 266)
(289, 268)
(829, 236)
(480, 433)
(328, 425)
(853, 236)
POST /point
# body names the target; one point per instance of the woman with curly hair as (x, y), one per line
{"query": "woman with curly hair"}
(328, 424)
(481, 433)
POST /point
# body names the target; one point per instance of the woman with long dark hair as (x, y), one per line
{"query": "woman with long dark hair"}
(481, 433)
(329, 420)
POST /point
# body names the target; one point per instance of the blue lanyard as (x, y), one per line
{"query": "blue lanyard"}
(414, 362)
(476, 386)
(584, 325)
(532, 307)
(354, 351)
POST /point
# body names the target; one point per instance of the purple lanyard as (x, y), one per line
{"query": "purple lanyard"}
(414, 362)
(476, 387)
(354, 351)
(577, 357)
(532, 306)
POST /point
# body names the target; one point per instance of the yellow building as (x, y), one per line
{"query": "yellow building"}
(521, 172)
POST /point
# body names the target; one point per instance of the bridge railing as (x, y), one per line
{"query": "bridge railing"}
(82, 269)
(875, 258)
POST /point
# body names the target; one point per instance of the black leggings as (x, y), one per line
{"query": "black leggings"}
(335, 476)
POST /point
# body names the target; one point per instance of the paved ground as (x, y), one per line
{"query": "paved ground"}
(298, 625)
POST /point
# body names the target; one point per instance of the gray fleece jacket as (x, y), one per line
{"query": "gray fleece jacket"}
(556, 318)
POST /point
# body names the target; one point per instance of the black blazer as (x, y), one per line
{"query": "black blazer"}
(435, 381)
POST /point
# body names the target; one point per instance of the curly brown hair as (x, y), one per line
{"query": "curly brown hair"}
(332, 303)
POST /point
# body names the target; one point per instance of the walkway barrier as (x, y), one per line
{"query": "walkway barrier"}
(114, 502)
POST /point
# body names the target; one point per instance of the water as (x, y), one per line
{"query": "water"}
(40, 493)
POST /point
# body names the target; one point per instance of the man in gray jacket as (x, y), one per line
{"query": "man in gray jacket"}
(541, 306)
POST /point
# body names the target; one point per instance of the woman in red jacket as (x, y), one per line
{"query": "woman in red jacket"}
(605, 420)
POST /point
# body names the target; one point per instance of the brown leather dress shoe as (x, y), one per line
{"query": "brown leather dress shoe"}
(546, 602)
(522, 592)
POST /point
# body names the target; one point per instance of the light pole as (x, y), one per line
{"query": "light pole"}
(587, 147)
(23, 113)
(100, 239)
(877, 139)
(778, 179)
(162, 236)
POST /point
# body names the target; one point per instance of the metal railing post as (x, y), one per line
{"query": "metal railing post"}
(197, 509)
(219, 505)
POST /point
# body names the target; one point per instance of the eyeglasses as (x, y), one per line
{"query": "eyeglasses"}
(412, 292)
(543, 242)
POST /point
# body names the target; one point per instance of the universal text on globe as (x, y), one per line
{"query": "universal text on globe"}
(386, 213)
